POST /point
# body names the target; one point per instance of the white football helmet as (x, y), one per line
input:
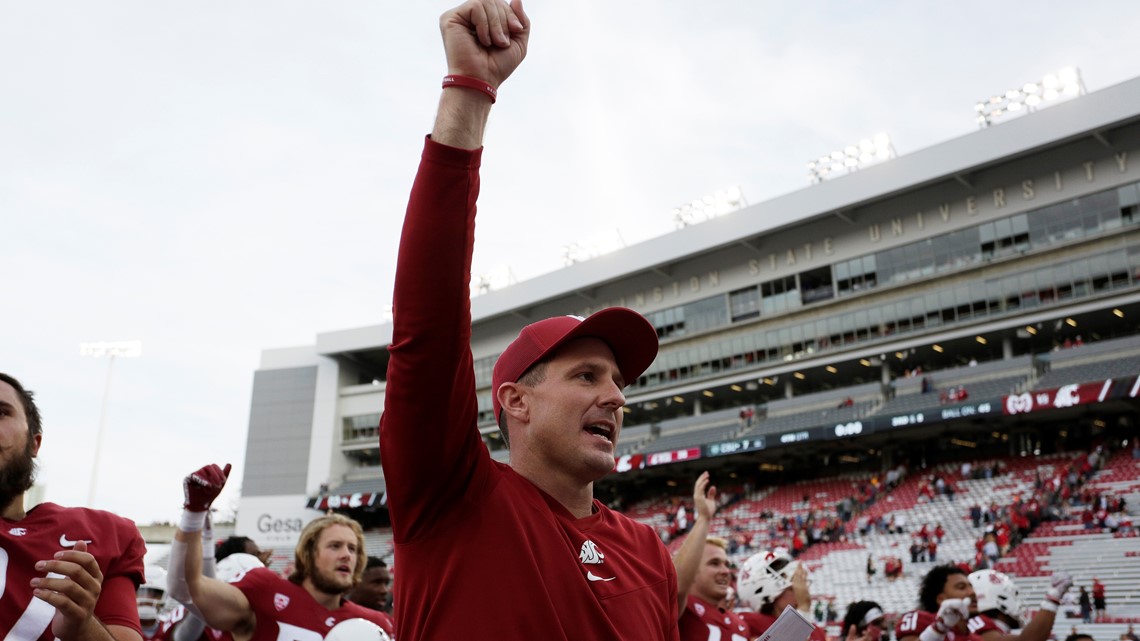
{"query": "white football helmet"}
(357, 630)
(151, 595)
(232, 568)
(996, 591)
(764, 577)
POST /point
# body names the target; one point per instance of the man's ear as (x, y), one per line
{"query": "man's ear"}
(512, 399)
(36, 449)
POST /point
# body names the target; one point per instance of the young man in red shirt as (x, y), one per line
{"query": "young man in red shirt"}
(704, 577)
(68, 573)
(946, 602)
(258, 604)
(566, 566)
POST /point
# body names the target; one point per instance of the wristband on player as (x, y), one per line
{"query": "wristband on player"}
(455, 80)
(192, 521)
(1050, 605)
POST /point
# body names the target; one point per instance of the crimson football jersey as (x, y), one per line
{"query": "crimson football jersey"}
(759, 623)
(285, 611)
(914, 622)
(981, 625)
(49, 528)
(704, 621)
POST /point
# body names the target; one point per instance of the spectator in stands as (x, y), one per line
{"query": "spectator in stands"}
(1098, 599)
(976, 515)
(768, 583)
(830, 614)
(946, 601)
(1000, 609)
(1085, 604)
(893, 568)
(1130, 635)
(1079, 636)
(870, 568)
(373, 590)
(990, 548)
(867, 619)
(916, 550)
(329, 561)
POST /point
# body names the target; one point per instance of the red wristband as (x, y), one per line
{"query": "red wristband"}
(453, 80)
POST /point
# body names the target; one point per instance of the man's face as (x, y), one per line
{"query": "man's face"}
(17, 449)
(334, 560)
(713, 576)
(958, 587)
(575, 413)
(372, 592)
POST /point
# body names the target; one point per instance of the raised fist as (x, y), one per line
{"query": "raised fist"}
(203, 486)
(953, 611)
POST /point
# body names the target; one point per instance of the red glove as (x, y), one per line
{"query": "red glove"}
(203, 486)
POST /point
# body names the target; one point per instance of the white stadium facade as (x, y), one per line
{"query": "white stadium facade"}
(1005, 262)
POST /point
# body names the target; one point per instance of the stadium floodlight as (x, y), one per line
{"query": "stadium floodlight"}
(493, 279)
(1065, 83)
(112, 350)
(851, 158)
(724, 201)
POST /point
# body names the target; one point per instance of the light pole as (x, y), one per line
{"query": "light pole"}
(113, 349)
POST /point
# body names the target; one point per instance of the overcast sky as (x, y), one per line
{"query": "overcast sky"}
(217, 178)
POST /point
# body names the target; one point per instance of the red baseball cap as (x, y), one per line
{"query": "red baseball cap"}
(631, 338)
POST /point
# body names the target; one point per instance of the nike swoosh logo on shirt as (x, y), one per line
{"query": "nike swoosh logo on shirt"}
(64, 542)
(593, 577)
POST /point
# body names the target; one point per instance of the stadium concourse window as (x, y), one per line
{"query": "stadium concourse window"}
(779, 295)
(816, 285)
(363, 427)
(1069, 221)
(744, 303)
(889, 315)
(697, 316)
(484, 367)
(855, 275)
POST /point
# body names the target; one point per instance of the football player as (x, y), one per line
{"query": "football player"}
(65, 573)
(260, 605)
(946, 602)
(1000, 610)
(151, 601)
(863, 620)
(706, 616)
(769, 582)
(373, 590)
(704, 577)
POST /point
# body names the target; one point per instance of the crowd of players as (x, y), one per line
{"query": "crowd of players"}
(483, 550)
(225, 592)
